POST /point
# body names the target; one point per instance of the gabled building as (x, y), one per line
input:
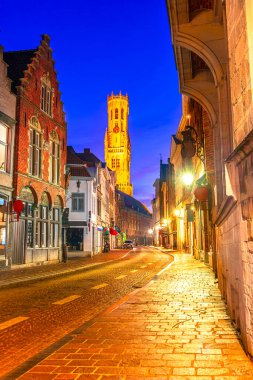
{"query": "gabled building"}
(7, 135)
(81, 200)
(40, 156)
(91, 203)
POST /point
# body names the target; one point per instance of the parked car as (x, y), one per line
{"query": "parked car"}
(128, 244)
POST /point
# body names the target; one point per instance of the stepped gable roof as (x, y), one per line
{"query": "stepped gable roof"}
(89, 157)
(17, 62)
(133, 204)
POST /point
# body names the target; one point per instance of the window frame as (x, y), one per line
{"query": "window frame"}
(78, 197)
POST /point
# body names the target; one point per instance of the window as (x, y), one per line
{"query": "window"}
(27, 214)
(3, 147)
(122, 113)
(78, 202)
(113, 163)
(46, 95)
(117, 163)
(35, 152)
(111, 114)
(54, 162)
(55, 223)
(46, 99)
(116, 113)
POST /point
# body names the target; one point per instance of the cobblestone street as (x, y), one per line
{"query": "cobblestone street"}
(174, 328)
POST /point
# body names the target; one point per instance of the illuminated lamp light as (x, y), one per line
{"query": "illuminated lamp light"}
(187, 179)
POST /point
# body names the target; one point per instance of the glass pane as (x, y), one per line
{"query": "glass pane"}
(44, 212)
(29, 233)
(29, 209)
(37, 234)
(56, 214)
(3, 133)
(2, 157)
(2, 235)
(74, 204)
(56, 234)
(51, 236)
(81, 204)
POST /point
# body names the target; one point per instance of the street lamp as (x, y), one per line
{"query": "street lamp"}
(187, 178)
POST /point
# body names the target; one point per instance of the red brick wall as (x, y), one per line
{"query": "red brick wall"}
(28, 105)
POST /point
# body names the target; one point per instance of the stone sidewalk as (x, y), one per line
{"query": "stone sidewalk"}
(174, 328)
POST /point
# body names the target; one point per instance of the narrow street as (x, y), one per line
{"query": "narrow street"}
(37, 314)
(176, 328)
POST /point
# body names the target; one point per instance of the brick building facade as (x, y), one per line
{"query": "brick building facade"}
(7, 134)
(40, 155)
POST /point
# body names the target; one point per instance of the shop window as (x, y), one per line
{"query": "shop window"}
(78, 202)
(27, 214)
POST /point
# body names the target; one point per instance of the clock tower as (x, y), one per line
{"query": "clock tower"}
(117, 141)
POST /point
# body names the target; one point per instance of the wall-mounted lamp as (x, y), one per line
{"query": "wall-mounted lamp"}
(78, 184)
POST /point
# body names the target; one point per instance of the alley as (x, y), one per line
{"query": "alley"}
(174, 328)
(37, 314)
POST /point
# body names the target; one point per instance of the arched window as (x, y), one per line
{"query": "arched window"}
(26, 196)
(54, 158)
(116, 113)
(111, 114)
(122, 113)
(35, 147)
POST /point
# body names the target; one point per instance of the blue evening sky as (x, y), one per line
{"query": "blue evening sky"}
(99, 47)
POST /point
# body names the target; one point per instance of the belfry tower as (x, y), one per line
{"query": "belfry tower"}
(117, 141)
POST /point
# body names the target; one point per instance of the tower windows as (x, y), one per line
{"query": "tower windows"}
(116, 113)
(113, 163)
(117, 163)
(111, 114)
(122, 113)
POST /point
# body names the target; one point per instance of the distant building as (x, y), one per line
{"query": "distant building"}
(164, 226)
(117, 141)
(7, 134)
(40, 155)
(133, 219)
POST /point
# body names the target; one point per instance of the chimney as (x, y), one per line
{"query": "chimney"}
(86, 151)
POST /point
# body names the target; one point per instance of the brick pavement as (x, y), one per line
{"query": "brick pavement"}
(174, 328)
(27, 274)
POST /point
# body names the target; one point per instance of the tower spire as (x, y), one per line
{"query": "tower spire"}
(117, 141)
